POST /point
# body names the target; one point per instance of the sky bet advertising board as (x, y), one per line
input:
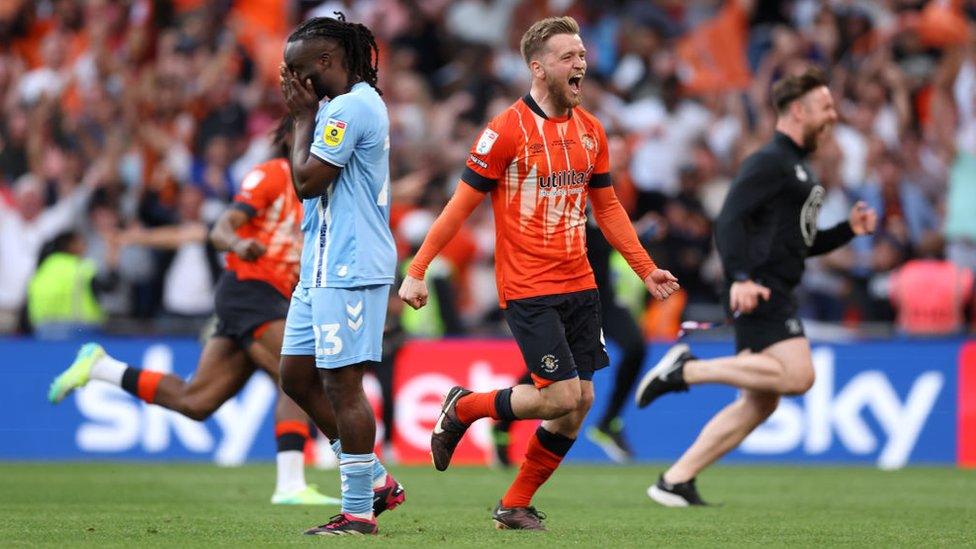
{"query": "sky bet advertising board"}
(888, 403)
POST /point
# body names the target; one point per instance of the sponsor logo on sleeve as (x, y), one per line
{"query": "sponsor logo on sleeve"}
(334, 132)
(486, 141)
(477, 161)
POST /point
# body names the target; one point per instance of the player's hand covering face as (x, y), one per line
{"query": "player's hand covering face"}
(661, 284)
(413, 292)
(863, 220)
(299, 96)
(564, 65)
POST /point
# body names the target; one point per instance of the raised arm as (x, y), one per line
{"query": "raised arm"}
(311, 175)
(862, 220)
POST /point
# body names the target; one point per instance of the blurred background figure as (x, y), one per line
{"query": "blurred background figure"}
(62, 296)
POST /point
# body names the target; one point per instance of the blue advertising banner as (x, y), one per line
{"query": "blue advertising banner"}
(885, 403)
(103, 421)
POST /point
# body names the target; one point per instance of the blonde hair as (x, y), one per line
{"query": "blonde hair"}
(540, 32)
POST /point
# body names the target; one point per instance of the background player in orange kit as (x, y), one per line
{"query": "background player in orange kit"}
(539, 159)
(261, 233)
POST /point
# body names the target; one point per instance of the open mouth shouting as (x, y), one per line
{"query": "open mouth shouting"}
(574, 83)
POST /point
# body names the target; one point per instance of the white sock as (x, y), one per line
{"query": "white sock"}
(291, 472)
(379, 481)
(108, 369)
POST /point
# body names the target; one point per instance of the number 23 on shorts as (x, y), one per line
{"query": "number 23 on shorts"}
(327, 341)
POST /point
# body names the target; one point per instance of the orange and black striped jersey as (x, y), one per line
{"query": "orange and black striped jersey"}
(275, 212)
(538, 170)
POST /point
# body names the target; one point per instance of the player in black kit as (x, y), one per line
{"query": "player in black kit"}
(767, 227)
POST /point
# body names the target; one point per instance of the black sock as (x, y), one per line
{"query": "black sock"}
(130, 380)
(503, 405)
(288, 442)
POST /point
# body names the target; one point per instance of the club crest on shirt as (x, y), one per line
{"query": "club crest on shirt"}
(588, 142)
(486, 141)
(809, 213)
(333, 132)
(801, 174)
(793, 326)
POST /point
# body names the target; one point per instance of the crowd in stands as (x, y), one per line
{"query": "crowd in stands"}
(121, 116)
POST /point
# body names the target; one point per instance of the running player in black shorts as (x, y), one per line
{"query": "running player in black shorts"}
(621, 328)
(767, 227)
(260, 232)
(541, 160)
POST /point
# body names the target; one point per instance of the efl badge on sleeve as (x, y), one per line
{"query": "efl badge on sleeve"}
(486, 141)
(334, 131)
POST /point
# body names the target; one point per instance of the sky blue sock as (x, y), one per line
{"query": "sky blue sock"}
(379, 472)
(356, 472)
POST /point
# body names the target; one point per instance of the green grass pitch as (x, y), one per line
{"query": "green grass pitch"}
(181, 505)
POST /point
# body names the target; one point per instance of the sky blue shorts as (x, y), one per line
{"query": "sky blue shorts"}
(339, 326)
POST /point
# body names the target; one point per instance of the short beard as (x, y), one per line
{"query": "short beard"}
(558, 95)
(810, 139)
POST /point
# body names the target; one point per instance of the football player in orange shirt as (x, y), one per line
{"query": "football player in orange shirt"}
(540, 160)
(261, 233)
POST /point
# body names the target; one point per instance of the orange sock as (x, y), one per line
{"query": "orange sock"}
(475, 406)
(291, 426)
(147, 384)
(545, 453)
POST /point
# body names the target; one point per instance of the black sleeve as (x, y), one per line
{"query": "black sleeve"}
(831, 239)
(448, 308)
(759, 180)
(600, 180)
(248, 209)
(477, 180)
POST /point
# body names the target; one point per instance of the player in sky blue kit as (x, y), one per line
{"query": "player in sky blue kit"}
(340, 170)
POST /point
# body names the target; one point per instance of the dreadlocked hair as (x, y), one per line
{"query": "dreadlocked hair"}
(357, 41)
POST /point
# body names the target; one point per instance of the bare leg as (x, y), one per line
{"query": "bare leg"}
(554, 401)
(300, 381)
(568, 425)
(266, 354)
(727, 429)
(354, 416)
(768, 371)
(546, 450)
(222, 371)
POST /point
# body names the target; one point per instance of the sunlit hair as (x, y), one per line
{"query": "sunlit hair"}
(534, 40)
